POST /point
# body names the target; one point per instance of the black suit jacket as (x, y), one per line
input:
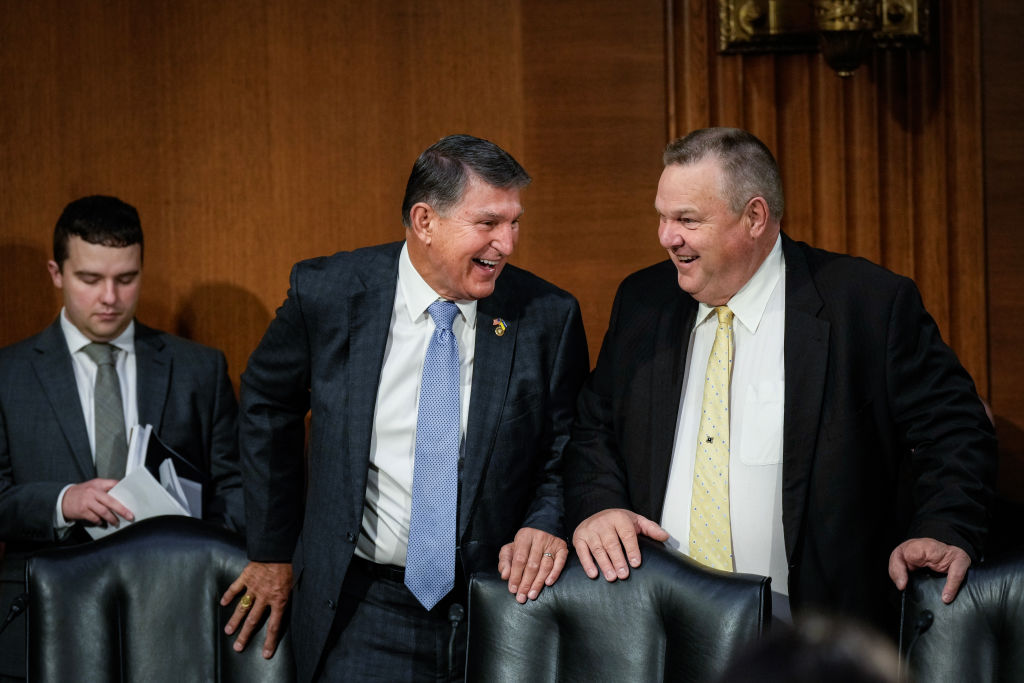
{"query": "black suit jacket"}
(182, 390)
(324, 352)
(884, 437)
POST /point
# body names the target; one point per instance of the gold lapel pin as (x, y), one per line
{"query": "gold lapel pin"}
(499, 326)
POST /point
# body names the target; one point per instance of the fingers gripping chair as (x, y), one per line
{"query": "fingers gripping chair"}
(143, 605)
(979, 637)
(671, 620)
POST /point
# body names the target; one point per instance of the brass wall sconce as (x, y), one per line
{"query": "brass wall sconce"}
(844, 30)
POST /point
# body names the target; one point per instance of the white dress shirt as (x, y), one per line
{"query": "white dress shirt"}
(384, 533)
(85, 379)
(756, 410)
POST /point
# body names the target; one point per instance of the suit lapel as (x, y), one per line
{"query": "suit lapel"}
(153, 375)
(806, 357)
(492, 368)
(666, 386)
(53, 367)
(369, 314)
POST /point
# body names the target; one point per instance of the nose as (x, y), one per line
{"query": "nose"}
(670, 234)
(108, 292)
(504, 238)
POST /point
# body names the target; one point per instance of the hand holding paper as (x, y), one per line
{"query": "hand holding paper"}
(140, 495)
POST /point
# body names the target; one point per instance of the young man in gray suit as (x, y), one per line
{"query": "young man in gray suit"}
(64, 418)
(353, 345)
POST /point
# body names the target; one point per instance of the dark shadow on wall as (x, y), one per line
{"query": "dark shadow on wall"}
(1006, 535)
(28, 300)
(226, 317)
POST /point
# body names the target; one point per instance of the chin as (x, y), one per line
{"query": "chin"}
(477, 293)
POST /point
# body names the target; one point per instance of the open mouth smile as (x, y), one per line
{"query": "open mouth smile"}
(487, 264)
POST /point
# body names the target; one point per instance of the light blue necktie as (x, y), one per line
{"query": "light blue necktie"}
(430, 558)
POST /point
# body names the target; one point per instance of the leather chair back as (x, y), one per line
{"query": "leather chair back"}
(671, 620)
(143, 604)
(977, 638)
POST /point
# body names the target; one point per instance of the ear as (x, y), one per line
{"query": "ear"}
(421, 221)
(55, 274)
(757, 216)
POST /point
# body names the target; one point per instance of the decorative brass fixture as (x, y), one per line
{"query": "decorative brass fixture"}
(844, 30)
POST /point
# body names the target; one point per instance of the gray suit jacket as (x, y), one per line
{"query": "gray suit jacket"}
(182, 389)
(324, 352)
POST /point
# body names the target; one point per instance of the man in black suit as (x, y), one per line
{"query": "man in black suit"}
(856, 447)
(49, 485)
(349, 345)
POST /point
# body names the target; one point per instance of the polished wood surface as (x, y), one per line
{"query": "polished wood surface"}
(1003, 63)
(251, 134)
(885, 164)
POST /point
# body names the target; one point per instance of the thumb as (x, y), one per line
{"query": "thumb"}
(651, 529)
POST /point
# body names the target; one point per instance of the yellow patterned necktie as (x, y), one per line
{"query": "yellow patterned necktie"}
(710, 532)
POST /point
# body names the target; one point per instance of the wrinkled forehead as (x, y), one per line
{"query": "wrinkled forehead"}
(695, 183)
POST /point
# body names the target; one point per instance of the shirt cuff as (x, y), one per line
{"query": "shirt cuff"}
(59, 523)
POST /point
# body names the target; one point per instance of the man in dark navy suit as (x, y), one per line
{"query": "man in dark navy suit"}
(349, 345)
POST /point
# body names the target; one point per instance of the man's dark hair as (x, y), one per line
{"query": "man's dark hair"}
(440, 175)
(97, 219)
(749, 168)
(819, 648)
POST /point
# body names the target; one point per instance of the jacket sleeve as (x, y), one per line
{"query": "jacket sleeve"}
(571, 363)
(949, 435)
(274, 402)
(595, 471)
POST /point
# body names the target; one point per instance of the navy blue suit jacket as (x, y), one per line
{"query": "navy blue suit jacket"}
(182, 390)
(884, 437)
(324, 352)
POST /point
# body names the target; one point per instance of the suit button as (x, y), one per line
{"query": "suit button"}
(331, 605)
(350, 537)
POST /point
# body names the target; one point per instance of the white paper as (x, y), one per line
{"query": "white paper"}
(144, 496)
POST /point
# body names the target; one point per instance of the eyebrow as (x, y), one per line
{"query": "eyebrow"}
(677, 211)
(494, 215)
(90, 273)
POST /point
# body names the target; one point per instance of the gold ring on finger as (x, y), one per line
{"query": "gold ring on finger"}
(246, 601)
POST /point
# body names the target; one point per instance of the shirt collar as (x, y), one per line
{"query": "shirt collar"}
(419, 295)
(749, 303)
(76, 341)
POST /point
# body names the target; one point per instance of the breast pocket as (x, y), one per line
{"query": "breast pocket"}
(760, 440)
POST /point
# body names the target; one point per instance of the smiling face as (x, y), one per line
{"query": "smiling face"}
(715, 250)
(100, 286)
(461, 254)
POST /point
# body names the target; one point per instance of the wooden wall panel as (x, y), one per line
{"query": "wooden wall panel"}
(595, 127)
(253, 134)
(883, 165)
(1003, 62)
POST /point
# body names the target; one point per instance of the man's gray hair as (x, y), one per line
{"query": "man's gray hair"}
(748, 166)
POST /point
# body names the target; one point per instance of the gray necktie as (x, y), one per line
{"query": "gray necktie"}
(108, 409)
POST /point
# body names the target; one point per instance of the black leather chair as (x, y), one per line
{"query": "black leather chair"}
(978, 638)
(143, 605)
(671, 620)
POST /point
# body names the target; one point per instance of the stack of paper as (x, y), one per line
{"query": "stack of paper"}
(152, 485)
